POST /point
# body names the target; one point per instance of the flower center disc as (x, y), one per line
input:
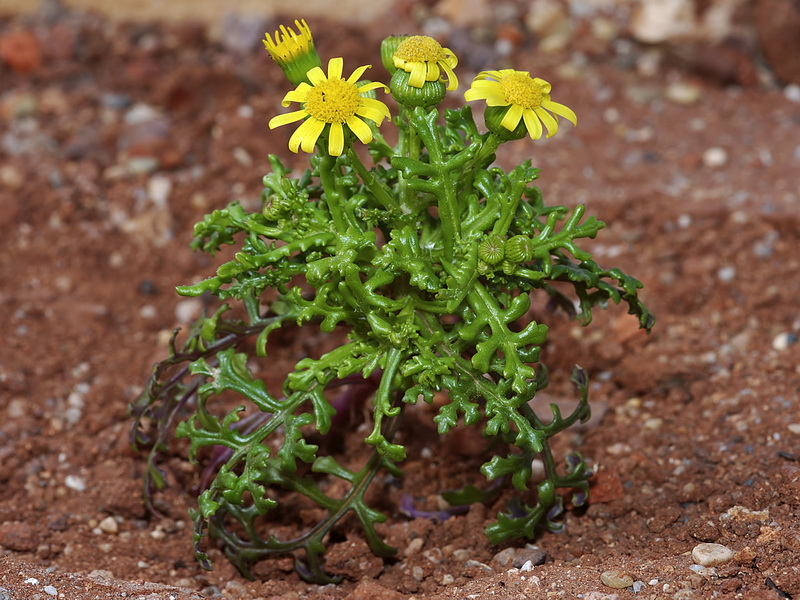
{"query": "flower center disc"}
(521, 90)
(420, 48)
(333, 101)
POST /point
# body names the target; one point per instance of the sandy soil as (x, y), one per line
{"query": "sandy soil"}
(115, 139)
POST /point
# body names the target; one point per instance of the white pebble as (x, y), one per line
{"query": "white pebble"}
(715, 157)
(653, 582)
(528, 566)
(148, 311)
(76, 483)
(726, 273)
(794, 428)
(711, 555)
(158, 190)
(682, 92)
(188, 310)
(792, 92)
(783, 340)
(109, 525)
(32, 581)
(50, 590)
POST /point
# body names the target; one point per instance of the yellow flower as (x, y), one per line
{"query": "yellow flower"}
(425, 59)
(294, 52)
(528, 99)
(331, 101)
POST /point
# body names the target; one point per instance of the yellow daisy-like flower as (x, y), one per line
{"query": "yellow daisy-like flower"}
(528, 99)
(332, 102)
(425, 59)
(293, 51)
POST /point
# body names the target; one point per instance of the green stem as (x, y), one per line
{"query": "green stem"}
(333, 197)
(376, 186)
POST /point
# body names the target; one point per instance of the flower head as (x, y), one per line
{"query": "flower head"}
(329, 103)
(425, 59)
(294, 52)
(527, 99)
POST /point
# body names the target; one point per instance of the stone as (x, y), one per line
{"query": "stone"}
(777, 23)
(617, 580)
(711, 555)
(715, 157)
(109, 525)
(17, 536)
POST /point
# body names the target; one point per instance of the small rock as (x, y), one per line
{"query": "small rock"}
(711, 555)
(188, 310)
(528, 555)
(715, 157)
(794, 428)
(783, 340)
(21, 51)
(792, 92)
(504, 557)
(11, 177)
(50, 590)
(683, 93)
(18, 536)
(726, 273)
(595, 595)
(616, 579)
(158, 190)
(76, 483)
(109, 525)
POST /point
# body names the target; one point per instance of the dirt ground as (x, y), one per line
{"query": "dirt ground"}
(116, 138)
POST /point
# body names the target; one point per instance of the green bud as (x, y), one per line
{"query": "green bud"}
(519, 249)
(431, 92)
(388, 48)
(493, 117)
(492, 250)
(508, 267)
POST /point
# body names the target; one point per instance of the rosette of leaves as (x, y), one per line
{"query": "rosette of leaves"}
(428, 261)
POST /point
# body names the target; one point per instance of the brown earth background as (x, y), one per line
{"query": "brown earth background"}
(121, 124)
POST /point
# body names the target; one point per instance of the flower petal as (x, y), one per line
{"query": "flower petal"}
(306, 135)
(287, 118)
(548, 120)
(361, 129)
(336, 140)
(450, 58)
(545, 85)
(316, 76)
(374, 110)
(512, 117)
(418, 72)
(532, 124)
(335, 66)
(561, 111)
(433, 72)
(358, 73)
(298, 95)
(452, 80)
(374, 85)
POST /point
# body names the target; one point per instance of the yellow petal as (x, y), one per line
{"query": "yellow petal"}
(375, 85)
(548, 120)
(335, 68)
(287, 118)
(306, 135)
(512, 117)
(374, 110)
(357, 74)
(298, 95)
(336, 140)
(450, 58)
(452, 80)
(561, 111)
(361, 129)
(418, 71)
(532, 124)
(316, 75)
(433, 72)
(546, 87)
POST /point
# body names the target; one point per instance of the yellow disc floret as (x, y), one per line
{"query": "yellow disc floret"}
(426, 60)
(333, 101)
(519, 88)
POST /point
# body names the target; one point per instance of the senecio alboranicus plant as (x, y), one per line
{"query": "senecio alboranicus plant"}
(424, 263)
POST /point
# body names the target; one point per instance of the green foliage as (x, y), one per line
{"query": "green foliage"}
(428, 262)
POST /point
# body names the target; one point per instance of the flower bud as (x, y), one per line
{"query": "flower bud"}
(431, 92)
(519, 249)
(491, 250)
(493, 117)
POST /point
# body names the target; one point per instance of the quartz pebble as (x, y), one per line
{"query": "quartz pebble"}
(783, 340)
(109, 525)
(616, 579)
(50, 590)
(711, 555)
(715, 157)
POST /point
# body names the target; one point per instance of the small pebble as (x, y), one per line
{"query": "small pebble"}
(792, 92)
(187, 310)
(109, 525)
(715, 157)
(726, 273)
(711, 555)
(794, 428)
(74, 482)
(638, 586)
(50, 590)
(783, 340)
(683, 93)
(616, 579)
